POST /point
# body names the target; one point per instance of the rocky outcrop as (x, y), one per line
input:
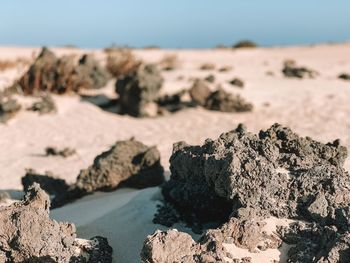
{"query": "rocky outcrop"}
(241, 179)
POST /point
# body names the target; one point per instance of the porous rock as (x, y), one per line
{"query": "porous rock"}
(241, 179)
(138, 91)
(129, 162)
(225, 176)
(27, 234)
(173, 246)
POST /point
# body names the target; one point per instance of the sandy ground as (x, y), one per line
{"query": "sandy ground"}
(316, 107)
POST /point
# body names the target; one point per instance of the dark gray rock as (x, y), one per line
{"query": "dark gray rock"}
(239, 179)
(291, 70)
(139, 90)
(220, 100)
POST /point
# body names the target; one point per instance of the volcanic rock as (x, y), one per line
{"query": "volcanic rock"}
(129, 162)
(27, 234)
(139, 90)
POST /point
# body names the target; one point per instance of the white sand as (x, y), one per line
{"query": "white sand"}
(314, 107)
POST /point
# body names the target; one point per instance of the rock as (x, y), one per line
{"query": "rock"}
(168, 246)
(130, 163)
(236, 182)
(220, 100)
(210, 78)
(207, 66)
(64, 152)
(290, 70)
(225, 69)
(344, 76)
(44, 105)
(237, 82)
(245, 44)
(92, 72)
(338, 251)
(8, 108)
(200, 92)
(27, 234)
(174, 102)
(139, 89)
(224, 177)
(61, 75)
(173, 246)
(312, 243)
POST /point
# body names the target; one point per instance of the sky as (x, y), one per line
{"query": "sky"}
(172, 24)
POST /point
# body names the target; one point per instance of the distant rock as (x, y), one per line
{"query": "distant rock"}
(61, 75)
(237, 82)
(344, 76)
(210, 78)
(139, 90)
(291, 70)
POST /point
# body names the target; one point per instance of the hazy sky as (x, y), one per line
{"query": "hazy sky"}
(172, 23)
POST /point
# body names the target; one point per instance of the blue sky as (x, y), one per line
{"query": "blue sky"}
(172, 24)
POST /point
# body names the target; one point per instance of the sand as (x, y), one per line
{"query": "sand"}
(318, 108)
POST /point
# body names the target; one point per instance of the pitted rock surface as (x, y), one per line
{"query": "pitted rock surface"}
(129, 162)
(27, 234)
(240, 179)
(275, 173)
